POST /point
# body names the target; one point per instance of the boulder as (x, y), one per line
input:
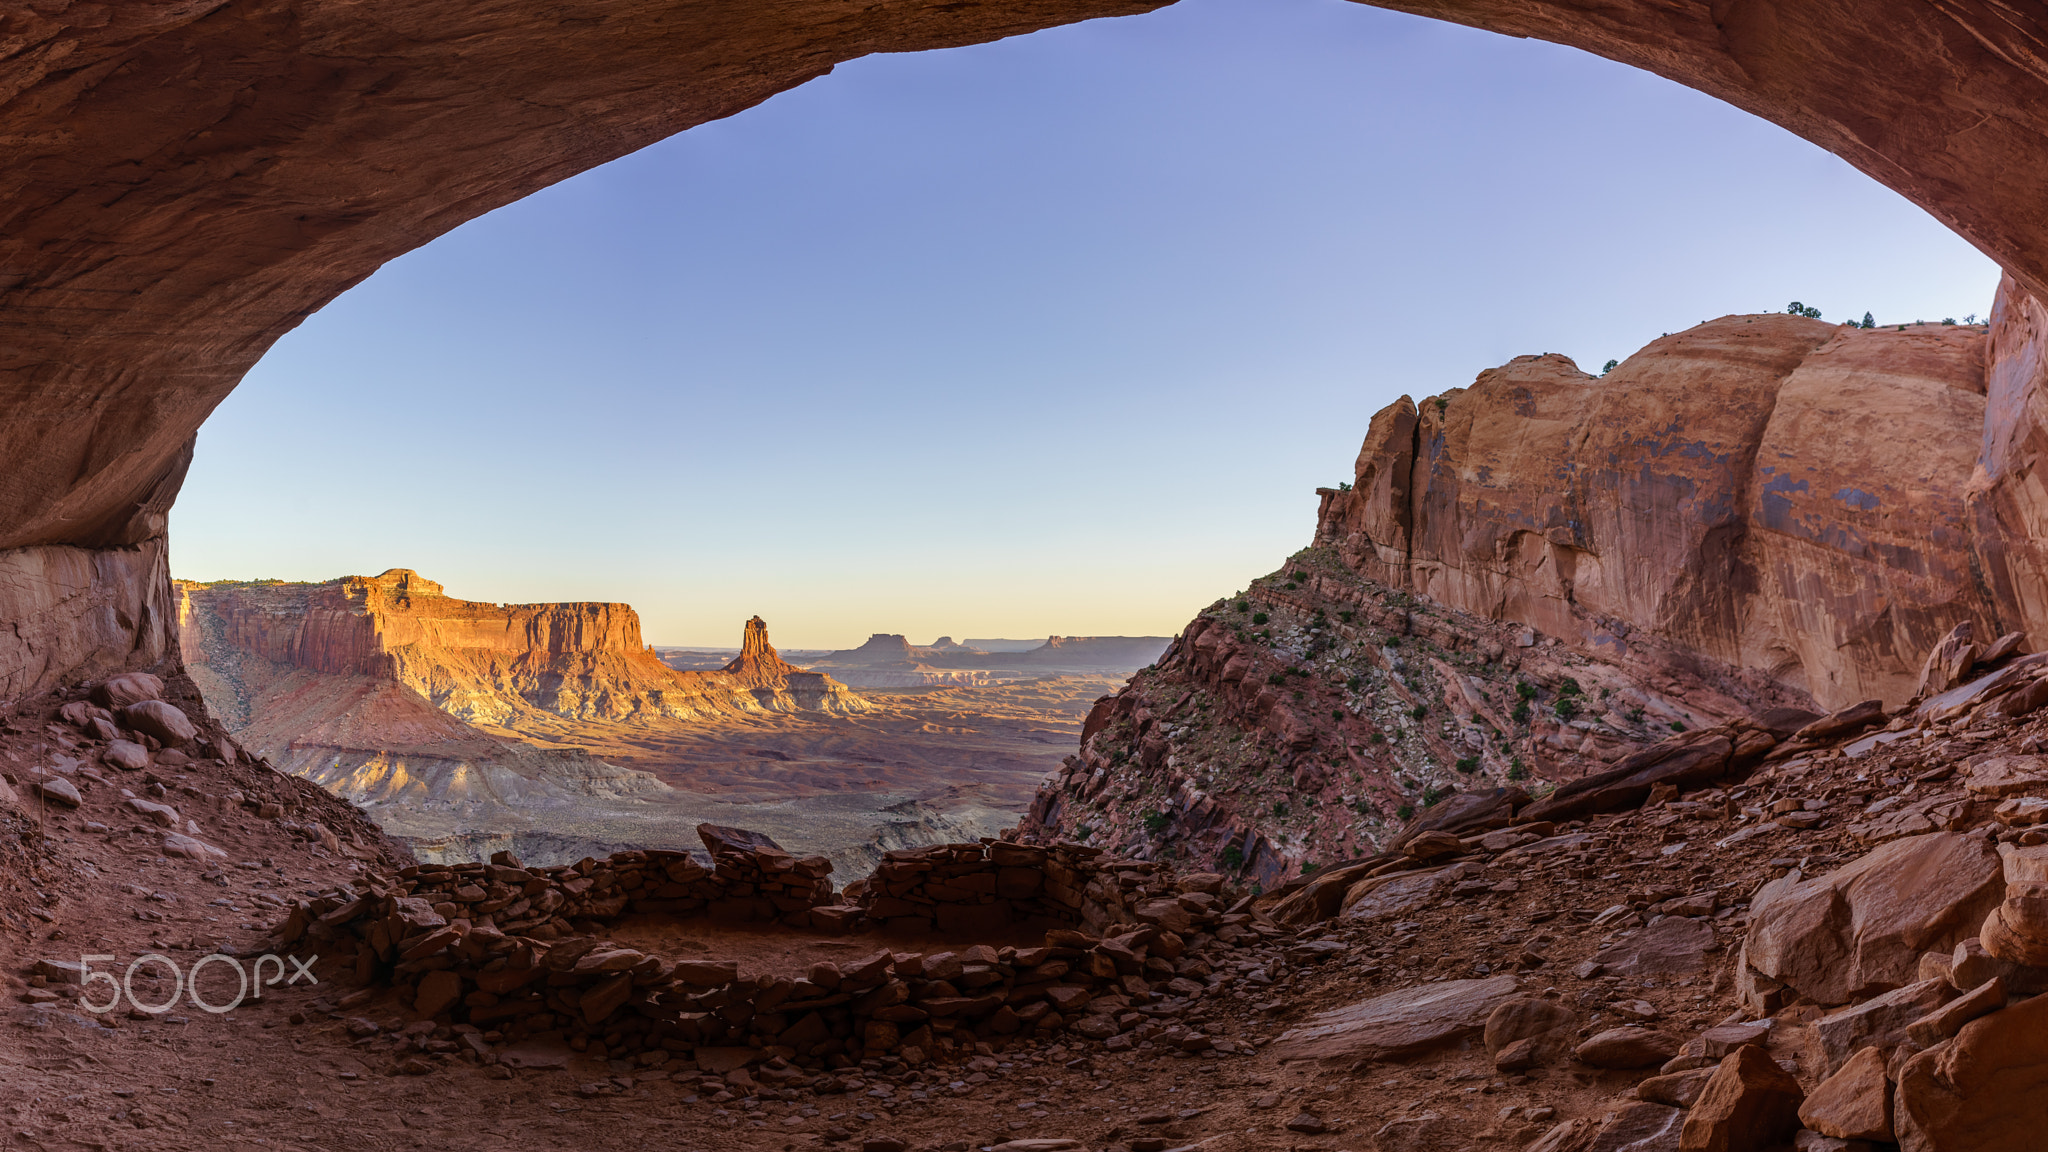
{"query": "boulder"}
(1692, 760)
(1432, 846)
(1526, 1031)
(1378, 897)
(126, 755)
(1861, 929)
(1949, 1019)
(1464, 812)
(1673, 946)
(1525, 1018)
(1854, 718)
(1853, 1104)
(1881, 1021)
(2002, 776)
(1627, 1047)
(1749, 1104)
(1676, 1089)
(1640, 1128)
(1397, 1025)
(719, 838)
(1950, 657)
(1971, 964)
(127, 688)
(1959, 700)
(1984, 1091)
(58, 790)
(1320, 897)
(191, 848)
(167, 723)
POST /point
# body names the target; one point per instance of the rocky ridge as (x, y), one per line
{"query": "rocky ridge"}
(1306, 720)
(1541, 574)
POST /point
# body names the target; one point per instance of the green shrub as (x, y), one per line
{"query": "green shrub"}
(1516, 771)
(1393, 641)
(1442, 403)
(1377, 738)
(1157, 822)
(1525, 690)
(1610, 366)
(1521, 713)
(1948, 321)
(1566, 707)
(1337, 714)
(1405, 811)
(1354, 683)
(1867, 322)
(1635, 715)
(1677, 727)
(1290, 585)
(1244, 605)
(1798, 309)
(1343, 485)
(1307, 866)
(1468, 764)
(1233, 858)
(1569, 687)
(1279, 809)
(1277, 677)
(1260, 617)
(1434, 793)
(1346, 616)
(1419, 711)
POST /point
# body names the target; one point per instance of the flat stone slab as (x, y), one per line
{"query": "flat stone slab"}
(1400, 1024)
(1673, 946)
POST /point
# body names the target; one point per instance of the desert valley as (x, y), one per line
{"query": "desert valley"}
(552, 731)
(1646, 761)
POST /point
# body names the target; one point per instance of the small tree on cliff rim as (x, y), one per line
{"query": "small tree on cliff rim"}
(1797, 309)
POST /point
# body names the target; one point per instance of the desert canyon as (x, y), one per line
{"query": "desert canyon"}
(1650, 761)
(554, 732)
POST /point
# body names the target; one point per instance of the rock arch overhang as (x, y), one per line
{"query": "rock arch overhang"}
(184, 181)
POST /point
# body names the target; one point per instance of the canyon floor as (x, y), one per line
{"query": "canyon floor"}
(1631, 920)
(925, 765)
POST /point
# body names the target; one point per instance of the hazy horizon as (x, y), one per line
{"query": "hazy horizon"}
(1051, 336)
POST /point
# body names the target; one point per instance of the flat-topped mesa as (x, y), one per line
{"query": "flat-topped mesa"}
(1784, 498)
(482, 662)
(407, 608)
(881, 648)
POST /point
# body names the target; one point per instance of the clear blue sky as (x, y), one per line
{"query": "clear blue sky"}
(1054, 335)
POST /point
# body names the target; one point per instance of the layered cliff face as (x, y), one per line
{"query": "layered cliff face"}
(1535, 576)
(458, 723)
(1783, 497)
(484, 663)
